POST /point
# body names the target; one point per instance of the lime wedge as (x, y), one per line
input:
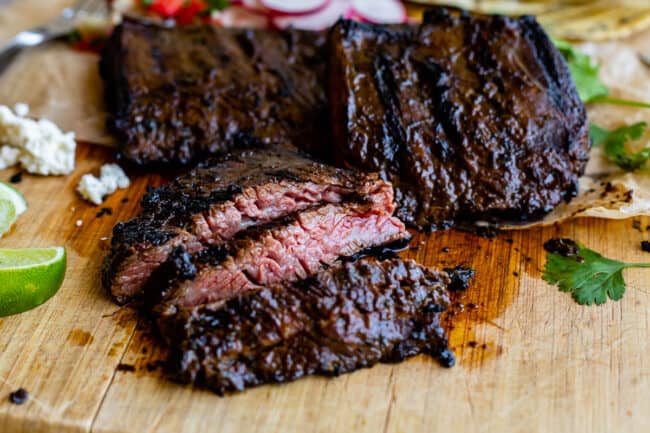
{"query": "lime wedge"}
(8, 192)
(7, 216)
(29, 277)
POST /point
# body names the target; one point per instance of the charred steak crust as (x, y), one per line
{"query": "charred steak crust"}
(351, 316)
(472, 117)
(220, 198)
(176, 94)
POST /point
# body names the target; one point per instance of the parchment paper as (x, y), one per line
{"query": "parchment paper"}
(64, 86)
(58, 83)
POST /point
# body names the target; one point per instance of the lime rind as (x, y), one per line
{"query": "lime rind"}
(26, 258)
(7, 215)
(8, 192)
(29, 277)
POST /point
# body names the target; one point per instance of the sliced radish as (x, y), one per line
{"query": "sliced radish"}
(254, 5)
(237, 16)
(380, 11)
(294, 7)
(320, 20)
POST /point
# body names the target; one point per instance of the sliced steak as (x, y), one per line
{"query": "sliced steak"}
(214, 202)
(350, 316)
(177, 94)
(283, 251)
(472, 117)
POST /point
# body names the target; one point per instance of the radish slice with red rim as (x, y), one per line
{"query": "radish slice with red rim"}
(237, 16)
(320, 20)
(254, 5)
(295, 7)
(380, 11)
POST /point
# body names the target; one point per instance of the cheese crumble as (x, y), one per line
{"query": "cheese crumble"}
(39, 146)
(111, 177)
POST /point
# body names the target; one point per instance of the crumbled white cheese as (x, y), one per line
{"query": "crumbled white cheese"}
(111, 177)
(21, 109)
(39, 146)
(8, 157)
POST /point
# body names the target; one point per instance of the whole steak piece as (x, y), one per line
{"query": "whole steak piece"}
(221, 198)
(473, 117)
(350, 316)
(176, 94)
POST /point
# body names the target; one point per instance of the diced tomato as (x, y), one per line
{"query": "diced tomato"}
(166, 8)
(191, 9)
(90, 46)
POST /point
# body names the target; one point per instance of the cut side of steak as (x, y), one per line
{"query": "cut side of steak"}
(283, 251)
(472, 117)
(350, 316)
(177, 94)
(214, 202)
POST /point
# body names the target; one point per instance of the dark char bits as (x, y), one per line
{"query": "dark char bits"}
(104, 211)
(16, 178)
(460, 278)
(19, 396)
(126, 367)
(645, 246)
(564, 247)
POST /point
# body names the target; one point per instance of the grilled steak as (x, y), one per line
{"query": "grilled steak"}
(179, 93)
(214, 202)
(473, 117)
(283, 251)
(350, 316)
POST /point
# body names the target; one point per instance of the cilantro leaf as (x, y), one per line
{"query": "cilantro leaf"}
(587, 275)
(218, 5)
(614, 144)
(584, 71)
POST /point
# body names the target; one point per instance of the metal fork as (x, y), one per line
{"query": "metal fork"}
(60, 26)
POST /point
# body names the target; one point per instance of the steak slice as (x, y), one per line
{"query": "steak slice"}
(472, 117)
(279, 252)
(177, 94)
(350, 316)
(213, 202)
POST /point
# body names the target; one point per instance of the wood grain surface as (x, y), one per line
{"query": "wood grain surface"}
(529, 358)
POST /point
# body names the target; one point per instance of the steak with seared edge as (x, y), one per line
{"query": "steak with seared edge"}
(350, 316)
(472, 117)
(214, 202)
(176, 94)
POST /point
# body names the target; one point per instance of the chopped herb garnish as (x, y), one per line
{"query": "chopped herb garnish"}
(613, 143)
(74, 36)
(587, 275)
(584, 71)
(218, 5)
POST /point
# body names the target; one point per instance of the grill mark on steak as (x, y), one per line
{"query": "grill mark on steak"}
(350, 316)
(178, 94)
(282, 251)
(495, 130)
(219, 199)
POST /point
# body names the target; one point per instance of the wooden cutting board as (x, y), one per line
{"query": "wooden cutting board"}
(529, 358)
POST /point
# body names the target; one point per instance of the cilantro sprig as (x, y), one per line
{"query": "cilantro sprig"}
(584, 71)
(587, 275)
(614, 141)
